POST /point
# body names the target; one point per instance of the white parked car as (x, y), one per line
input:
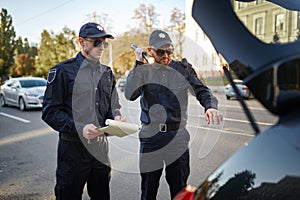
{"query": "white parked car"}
(245, 92)
(24, 92)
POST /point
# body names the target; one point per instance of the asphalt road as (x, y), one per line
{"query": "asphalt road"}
(28, 149)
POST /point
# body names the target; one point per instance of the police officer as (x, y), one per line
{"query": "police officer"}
(80, 96)
(163, 88)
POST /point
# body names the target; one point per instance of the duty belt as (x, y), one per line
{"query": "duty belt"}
(163, 127)
(69, 137)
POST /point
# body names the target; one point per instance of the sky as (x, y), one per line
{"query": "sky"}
(31, 17)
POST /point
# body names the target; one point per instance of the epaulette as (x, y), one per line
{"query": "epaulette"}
(185, 63)
(68, 60)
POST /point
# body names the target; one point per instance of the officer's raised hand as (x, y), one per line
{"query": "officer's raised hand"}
(139, 54)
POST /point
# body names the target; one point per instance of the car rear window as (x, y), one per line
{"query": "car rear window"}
(32, 83)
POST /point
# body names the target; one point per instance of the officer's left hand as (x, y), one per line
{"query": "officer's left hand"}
(90, 131)
(213, 116)
(120, 118)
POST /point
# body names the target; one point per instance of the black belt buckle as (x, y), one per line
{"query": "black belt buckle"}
(163, 128)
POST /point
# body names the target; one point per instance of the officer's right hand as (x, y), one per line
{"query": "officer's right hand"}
(90, 131)
(139, 53)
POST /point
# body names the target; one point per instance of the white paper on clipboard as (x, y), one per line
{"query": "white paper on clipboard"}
(119, 128)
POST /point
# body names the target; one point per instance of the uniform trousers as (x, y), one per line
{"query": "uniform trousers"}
(77, 167)
(169, 151)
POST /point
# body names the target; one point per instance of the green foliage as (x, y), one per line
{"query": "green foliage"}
(7, 44)
(54, 49)
(24, 59)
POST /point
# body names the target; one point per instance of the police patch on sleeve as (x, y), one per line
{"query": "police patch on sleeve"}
(51, 75)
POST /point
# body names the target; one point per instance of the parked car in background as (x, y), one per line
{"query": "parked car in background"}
(121, 83)
(23, 92)
(245, 92)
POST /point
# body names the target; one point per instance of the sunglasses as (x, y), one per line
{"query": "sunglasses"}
(97, 43)
(161, 52)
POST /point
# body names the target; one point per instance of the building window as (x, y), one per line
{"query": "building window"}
(214, 59)
(204, 36)
(241, 5)
(279, 22)
(259, 1)
(204, 60)
(196, 36)
(259, 26)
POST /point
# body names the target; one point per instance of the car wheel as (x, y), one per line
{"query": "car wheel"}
(22, 105)
(2, 101)
(227, 97)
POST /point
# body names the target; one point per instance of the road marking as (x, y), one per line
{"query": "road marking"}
(232, 106)
(237, 120)
(222, 131)
(15, 117)
(25, 136)
(247, 122)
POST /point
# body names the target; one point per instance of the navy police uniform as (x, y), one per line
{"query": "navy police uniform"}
(163, 92)
(80, 92)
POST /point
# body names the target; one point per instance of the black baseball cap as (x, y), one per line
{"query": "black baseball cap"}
(159, 39)
(93, 30)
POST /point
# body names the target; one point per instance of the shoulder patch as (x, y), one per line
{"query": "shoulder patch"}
(51, 75)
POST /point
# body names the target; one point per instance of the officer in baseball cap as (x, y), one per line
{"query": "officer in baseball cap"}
(80, 97)
(159, 39)
(93, 30)
(164, 139)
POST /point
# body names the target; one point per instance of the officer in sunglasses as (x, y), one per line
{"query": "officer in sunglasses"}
(163, 90)
(80, 96)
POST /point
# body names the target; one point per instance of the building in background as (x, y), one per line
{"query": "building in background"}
(267, 21)
(198, 49)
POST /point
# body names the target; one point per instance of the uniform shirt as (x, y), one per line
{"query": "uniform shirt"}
(79, 92)
(163, 91)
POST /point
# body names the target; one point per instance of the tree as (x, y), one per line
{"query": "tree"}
(177, 22)
(54, 49)
(7, 44)
(123, 55)
(236, 187)
(147, 18)
(24, 59)
(65, 44)
(101, 19)
(46, 53)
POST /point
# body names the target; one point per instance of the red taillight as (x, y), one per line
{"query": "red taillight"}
(186, 194)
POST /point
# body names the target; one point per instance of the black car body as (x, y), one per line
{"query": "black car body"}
(268, 167)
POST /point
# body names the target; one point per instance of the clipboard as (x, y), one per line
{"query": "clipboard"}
(119, 128)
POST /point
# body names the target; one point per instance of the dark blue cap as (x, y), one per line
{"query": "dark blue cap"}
(93, 30)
